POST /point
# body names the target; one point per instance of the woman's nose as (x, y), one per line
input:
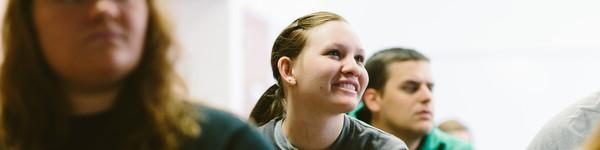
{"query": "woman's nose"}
(104, 8)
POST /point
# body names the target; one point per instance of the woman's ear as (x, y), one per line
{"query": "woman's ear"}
(372, 100)
(285, 66)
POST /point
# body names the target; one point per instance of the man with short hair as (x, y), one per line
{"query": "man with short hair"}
(398, 100)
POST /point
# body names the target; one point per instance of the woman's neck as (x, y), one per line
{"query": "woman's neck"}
(91, 101)
(307, 128)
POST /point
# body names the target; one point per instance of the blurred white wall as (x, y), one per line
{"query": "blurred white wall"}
(202, 30)
(210, 61)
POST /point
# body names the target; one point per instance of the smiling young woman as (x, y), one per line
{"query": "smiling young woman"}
(318, 63)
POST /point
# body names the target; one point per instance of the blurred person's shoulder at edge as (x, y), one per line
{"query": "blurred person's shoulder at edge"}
(223, 130)
(569, 128)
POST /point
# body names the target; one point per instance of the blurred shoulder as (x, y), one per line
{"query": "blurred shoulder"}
(223, 130)
(568, 128)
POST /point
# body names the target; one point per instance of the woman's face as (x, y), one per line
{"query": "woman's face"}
(330, 71)
(91, 43)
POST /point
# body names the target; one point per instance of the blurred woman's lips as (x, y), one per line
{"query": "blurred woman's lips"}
(103, 35)
(109, 32)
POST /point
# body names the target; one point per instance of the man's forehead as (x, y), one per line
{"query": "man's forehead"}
(415, 70)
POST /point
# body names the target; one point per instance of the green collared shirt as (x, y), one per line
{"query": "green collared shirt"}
(435, 140)
(440, 140)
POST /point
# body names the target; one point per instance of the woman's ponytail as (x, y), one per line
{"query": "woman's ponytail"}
(270, 105)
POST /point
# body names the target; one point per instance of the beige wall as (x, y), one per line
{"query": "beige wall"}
(2, 12)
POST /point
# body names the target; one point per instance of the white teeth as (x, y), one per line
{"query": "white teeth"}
(348, 86)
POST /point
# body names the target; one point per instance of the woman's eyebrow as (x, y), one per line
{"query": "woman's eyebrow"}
(337, 45)
(345, 47)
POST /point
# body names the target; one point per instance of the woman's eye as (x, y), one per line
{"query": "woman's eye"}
(359, 59)
(334, 54)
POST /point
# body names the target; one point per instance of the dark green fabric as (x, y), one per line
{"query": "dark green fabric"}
(361, 113)
(439, 140)
(219, 131)
(435, 140)
(223, 131)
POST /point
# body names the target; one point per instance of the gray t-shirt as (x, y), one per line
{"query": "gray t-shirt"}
(569, 129)
(355, 135)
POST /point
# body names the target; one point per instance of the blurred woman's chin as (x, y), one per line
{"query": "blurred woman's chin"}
(347, 105)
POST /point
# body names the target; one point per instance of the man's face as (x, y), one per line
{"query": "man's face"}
(405, 100)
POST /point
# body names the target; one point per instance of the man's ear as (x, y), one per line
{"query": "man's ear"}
(372, 100)
(285, 67)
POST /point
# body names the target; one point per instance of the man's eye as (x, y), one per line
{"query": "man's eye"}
(430, 87)
(410, 88)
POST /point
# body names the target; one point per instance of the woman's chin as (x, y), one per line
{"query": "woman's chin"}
(347, 105)
(107, 77)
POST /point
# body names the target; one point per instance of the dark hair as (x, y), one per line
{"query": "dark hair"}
(35, 111)
(289, 43)
(378, 74)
